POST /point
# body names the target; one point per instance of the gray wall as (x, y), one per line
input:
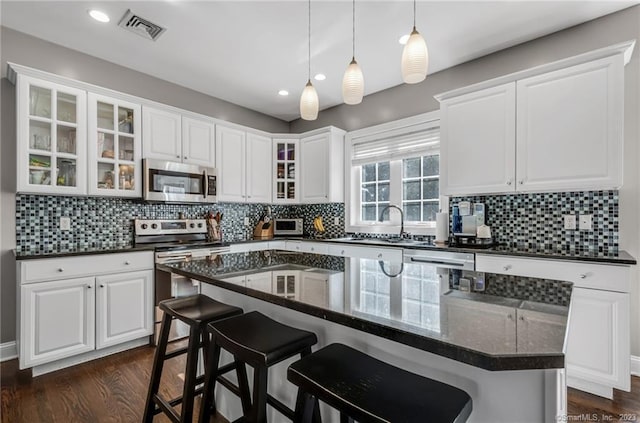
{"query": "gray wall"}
(26, 50)
(408, 100)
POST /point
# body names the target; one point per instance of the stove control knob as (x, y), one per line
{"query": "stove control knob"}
(192, 225)
(199, 225)
(144, 226)
(154, 226)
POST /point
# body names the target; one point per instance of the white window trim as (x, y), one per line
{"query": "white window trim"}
(352, 177)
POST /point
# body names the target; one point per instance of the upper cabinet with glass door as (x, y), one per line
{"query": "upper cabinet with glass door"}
(286, 185)
(115, 147)
(51, 137)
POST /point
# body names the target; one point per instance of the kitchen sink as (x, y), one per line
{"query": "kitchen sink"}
(384, 241)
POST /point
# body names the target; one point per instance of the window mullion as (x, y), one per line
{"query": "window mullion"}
(395, 189)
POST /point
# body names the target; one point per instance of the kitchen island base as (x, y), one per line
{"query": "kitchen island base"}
(525, 396)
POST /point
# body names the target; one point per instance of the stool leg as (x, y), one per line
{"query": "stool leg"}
(259, 411)
(211, 374)
(344, 418)
(243, 385)
(156, 370)
(316, 404)
(186, 414)
(305, 407)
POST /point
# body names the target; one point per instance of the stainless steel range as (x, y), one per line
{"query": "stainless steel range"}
(176, 240)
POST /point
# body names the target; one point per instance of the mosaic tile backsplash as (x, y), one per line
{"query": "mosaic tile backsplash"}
(108, 222)
(536, 220)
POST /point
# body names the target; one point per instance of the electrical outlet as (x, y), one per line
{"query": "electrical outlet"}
(336, 220)
(570, 222)
(586, 222)
(65, 223)
(246, 221)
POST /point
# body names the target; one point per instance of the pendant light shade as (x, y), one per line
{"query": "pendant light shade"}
(309, 102)
(353, 84)
(415, 59)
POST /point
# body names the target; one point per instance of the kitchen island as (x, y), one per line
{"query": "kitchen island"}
(500, 338)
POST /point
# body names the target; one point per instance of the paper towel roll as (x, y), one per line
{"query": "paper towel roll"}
(442, 227)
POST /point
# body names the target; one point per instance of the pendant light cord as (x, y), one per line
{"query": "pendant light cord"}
(414, 14)
(309, 75)
(353, 39)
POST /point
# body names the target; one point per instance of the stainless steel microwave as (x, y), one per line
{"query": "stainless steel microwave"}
(173, 182)
(284, 227)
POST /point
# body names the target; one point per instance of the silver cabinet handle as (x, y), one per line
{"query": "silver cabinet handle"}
(313, 249)
(509, 182)
(88, 286)
(297, 247)
(60, 269)
(101, 286)
(522, 318)
(507, 267)
(521, 182)
(127, 262)
(510, 316)
(342, 252)
(185, 157)
(380, 255)
(583, 276)
(178, 156)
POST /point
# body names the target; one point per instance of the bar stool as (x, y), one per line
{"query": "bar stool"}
(196, 311)
(260, 342)
(369, 390)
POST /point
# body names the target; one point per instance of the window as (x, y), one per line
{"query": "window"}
(394, 164)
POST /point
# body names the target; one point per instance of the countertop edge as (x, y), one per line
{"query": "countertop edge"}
(454, 352)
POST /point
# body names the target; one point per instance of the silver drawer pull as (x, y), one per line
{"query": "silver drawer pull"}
(583, 276)
(522, 318)
(342, 252)
(88, 286)
(127, 262)
(313, 249)
(507, 267)
(380, 255)
(101, 286)
(510, 316)
(60, 269)
(509, 182)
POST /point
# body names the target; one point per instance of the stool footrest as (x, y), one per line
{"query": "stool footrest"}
(286, 411)
(166, 408)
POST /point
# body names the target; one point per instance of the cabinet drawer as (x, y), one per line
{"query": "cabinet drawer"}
(583, 275)
(90, 265)
(314, 247)
(374, 253)
(249, 246)
(276, 245)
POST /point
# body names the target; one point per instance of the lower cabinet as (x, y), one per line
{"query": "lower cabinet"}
(57, 320)
(122, 302)
(91, 308)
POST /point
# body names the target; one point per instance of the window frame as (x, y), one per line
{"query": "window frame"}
(353, 177)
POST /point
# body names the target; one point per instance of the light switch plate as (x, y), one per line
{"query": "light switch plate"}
(570, 222)
(586, 222)
(246, 221)
(336, 220)
(65, 223)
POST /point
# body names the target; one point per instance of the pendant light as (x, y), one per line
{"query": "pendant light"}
(353, 81)
(415, 56)
(309, 98)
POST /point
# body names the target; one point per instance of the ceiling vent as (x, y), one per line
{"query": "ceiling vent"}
(141, 26)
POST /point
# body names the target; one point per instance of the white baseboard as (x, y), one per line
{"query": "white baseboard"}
(635, 365)
(8, 351)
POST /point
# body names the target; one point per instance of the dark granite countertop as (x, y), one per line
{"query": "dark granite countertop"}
(466, 316)
(78, 251)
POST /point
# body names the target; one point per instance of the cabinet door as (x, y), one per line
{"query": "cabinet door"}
(198, 142)
(286, 188)
(115, 147)
(570, 128)
(540, 332)
(230, 164)
(52, 137)
(259, 165)
(161, 134)
(124, 307)
(286, 283)
(598, 343)
(57, 320)
(477, 148)
(315, 167)
(260, 281)
(314, 289)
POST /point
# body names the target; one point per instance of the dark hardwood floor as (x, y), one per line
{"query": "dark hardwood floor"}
(114, 388)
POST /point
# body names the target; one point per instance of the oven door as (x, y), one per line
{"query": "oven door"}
(178, 182)
(169, 285)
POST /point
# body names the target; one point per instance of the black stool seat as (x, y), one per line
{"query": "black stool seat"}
(370, 390)
(198, 310)
(259, 340)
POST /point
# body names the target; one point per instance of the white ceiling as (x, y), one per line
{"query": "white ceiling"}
(245, 52)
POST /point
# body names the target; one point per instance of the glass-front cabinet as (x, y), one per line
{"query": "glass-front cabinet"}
(286, 173)
(51, 137)
(115, 147)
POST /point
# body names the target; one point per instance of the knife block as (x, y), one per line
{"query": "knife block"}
(263, 230)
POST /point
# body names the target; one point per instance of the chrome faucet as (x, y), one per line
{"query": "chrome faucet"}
(403, 234)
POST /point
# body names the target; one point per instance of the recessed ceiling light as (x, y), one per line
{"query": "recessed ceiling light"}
(99, 16)
(403, 40)
(283, 93)
(320, 77)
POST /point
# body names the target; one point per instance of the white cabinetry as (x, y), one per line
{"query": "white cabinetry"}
(322, 288)
(557, 130)
(115, 147)
(58, 320)
(373, 253)
(75, 305)
(286, 174)
(52, 137)
(598, 345)
(477, 151)
(243, 165)
(168, 135)
(322, 156)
